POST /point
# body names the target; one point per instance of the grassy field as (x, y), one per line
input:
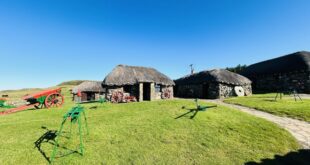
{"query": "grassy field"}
(145, 133)
(285, 107)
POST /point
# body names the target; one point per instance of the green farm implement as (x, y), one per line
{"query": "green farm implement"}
(74, 117)
(2, 102)
(44, 99)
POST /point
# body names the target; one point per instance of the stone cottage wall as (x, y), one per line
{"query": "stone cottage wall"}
(140, 96)
(196, 91)
(163, 88)
(189, 91)
(137, 91)
(111, 89)
(157, 95)
(247, 89)
(228, 90)
(153, 93)
(215, 91)
(299, 80)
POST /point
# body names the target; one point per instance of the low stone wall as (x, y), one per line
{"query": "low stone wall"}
(299, 80)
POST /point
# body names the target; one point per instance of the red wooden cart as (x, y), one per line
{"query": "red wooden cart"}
(47, 98)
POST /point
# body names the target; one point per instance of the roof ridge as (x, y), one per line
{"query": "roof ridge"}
(132, 66)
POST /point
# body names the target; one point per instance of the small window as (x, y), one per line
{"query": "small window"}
(157, 88)
(127, 88)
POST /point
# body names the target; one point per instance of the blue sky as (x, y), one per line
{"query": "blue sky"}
(45, 42)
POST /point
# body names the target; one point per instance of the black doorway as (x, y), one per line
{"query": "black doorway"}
(205, 91)
(91, 96)
(146, 91)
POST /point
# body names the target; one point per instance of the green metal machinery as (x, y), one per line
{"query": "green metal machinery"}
(2, 101)
(102, 100)
(74, 117)
(3, 104)
(199, 107)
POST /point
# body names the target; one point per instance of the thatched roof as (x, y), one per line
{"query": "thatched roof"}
(288, 63)
(216, 75)
(89, 86)
(129, 75)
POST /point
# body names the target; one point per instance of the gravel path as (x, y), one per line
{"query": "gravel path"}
(299, 129)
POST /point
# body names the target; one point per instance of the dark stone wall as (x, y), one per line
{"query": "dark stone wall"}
(188, 91)
(213, 91)
(196, 91)
(133, 90)
(299, 80)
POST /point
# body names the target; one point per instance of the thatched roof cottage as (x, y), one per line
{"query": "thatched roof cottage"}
(135, 82)
(90, 90)
(212, 84)
(285, 73)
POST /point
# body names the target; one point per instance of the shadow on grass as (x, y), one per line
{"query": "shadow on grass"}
(194, 112)
(49, 138)
(300, 157)
(270, 100)
(93, 107)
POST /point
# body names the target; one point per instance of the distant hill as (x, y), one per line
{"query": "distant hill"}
(32, 90)
(72, 82)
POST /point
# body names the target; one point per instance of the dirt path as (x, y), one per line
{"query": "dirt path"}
(299, 129)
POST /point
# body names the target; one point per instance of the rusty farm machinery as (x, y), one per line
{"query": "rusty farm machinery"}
(44, 99)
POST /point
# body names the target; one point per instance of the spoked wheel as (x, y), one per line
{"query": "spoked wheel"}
(54, 100)
(166, 94)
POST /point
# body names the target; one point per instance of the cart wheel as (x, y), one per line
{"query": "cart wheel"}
(166, 94)
(54, 100)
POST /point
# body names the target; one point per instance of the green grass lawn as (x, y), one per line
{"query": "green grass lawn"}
(285, 107)
(146, 133)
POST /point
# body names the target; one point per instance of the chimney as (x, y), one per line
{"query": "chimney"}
(192, 68)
